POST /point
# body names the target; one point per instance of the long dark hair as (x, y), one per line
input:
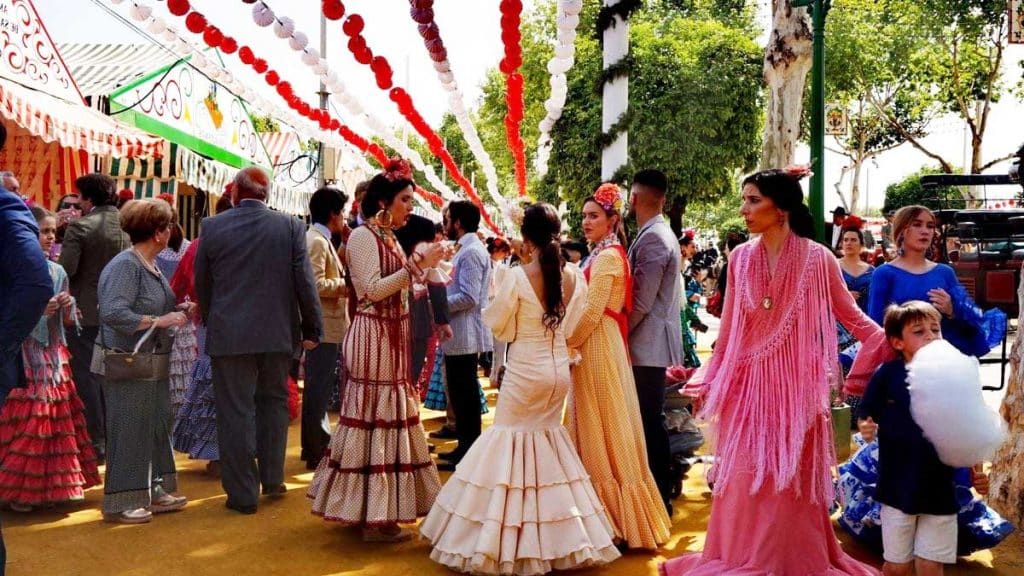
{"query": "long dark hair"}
(541, 227)
(784, 189)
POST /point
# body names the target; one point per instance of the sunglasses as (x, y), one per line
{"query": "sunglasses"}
(66, 205)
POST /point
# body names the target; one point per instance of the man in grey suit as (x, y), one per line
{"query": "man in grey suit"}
(89, 244)
(655, 334)
(258, 299)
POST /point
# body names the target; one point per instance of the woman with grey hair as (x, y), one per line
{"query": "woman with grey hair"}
(135, 300)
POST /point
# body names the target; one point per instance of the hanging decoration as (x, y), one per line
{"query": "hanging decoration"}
(568, 18)
(284, 28)
(329, 128)
(431, 34)
(357, 45)
(613, 30)
(511, 12)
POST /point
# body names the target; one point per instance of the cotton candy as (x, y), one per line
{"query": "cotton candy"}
(946, 402)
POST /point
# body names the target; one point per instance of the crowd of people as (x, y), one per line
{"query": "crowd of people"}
(128, 342)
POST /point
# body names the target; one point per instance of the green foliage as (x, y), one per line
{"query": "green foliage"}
(910, 191)
(263, 124)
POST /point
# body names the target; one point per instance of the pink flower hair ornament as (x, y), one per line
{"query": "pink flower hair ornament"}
(397, 169)
(609, 196)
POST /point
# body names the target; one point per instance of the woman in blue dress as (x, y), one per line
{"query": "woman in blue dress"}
(914, 276)
(857, 274)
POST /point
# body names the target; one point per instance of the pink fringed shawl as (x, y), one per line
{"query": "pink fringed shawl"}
(767, 386)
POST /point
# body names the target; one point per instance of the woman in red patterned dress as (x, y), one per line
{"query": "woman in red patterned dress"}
(378, 472)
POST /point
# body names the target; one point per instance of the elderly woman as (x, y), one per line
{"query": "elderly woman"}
(133, 298)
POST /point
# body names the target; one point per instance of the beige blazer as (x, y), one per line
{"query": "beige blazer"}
(330, 285)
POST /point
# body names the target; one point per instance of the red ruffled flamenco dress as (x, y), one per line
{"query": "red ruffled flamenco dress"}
(46, 456)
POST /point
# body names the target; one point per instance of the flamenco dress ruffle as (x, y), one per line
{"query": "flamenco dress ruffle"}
(183, 358)
(536, 515)
(195, 430)
(436, 398)
(46, 456)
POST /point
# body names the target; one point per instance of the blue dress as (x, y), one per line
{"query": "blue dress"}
(978, 526)
(966, 330)
(195, 430)
(847, 344)
(436, 399)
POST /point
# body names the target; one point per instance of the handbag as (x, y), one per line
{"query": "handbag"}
(714, 305)
(135, 365)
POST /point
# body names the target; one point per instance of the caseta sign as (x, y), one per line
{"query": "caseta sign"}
(189, 109)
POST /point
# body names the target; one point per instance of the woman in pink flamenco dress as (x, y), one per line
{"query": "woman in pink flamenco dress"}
(766, 393)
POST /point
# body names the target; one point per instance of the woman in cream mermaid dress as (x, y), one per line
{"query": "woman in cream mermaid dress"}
(520, 502)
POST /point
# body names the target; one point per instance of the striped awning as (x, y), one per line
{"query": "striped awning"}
(100, 69)
(73, 125)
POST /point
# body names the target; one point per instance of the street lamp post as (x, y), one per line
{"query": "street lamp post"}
(819, 9)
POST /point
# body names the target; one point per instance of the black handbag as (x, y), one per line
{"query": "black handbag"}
(119, 365)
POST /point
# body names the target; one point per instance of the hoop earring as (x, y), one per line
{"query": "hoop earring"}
(380, 219)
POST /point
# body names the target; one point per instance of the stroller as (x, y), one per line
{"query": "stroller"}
(683, 434)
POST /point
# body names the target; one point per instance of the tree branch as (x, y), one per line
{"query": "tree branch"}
(998, 160)
(946, 166)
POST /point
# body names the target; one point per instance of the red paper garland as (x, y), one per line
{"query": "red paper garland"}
(511, 16)
(423, 13)
(196, 23)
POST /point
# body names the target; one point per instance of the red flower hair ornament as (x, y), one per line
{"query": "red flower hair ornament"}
(397, 169)
(798, 171)
(609, 196)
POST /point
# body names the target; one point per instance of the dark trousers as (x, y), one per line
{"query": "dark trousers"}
(321, 377)
(419, 357)
(464, 397)
(251, 394)
(650, 390)
(88, 385)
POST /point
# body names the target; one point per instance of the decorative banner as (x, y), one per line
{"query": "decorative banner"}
(189, 109)
(29, 56)
(511, 11)
(568, 18)
(1016, 21)
(432, 41)
(835, 119)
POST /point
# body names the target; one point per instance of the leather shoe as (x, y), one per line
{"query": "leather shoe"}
(251, 509)
(453, 456)
(275, 491)
(444, 466)
(443, 433)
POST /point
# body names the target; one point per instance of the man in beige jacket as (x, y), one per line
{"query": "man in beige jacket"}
(326, 210)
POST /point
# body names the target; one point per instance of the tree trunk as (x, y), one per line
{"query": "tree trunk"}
(855, 186)
(787, 60)
(1006, 490)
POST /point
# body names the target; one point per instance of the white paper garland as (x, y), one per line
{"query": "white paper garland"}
(568, 19)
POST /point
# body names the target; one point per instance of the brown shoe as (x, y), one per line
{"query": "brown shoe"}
(275, 491)
(386, 535)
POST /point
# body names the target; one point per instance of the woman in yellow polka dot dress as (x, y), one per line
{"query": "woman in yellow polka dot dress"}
(603, 417)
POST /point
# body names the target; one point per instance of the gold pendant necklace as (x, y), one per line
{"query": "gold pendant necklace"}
(766, 303)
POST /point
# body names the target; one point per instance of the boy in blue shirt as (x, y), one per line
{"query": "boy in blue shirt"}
(916, 490)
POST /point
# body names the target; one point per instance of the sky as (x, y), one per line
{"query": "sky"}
(470, 29)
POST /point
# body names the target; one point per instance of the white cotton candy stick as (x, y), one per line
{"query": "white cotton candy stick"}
(946, 402)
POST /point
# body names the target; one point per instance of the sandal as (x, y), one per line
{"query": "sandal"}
(137, 516)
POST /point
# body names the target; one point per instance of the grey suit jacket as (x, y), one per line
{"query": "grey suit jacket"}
(89, 245)
(254, 282)
(655, 334)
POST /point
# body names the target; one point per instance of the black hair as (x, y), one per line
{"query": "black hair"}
(788, 196)
(734, 239)
(498, 244)
(381, 191)
(177, 237)
(438, 228)
(653, 179)
(576, 246)
(3, 136)
(685, 240)
(541, 227)
(856, 230)
(223, 204)
(97, 188)
(416, 229)
(467, 214)
(325, 202)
